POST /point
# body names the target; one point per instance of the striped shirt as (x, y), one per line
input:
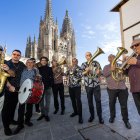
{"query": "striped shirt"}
(92, 81)
(28, 74)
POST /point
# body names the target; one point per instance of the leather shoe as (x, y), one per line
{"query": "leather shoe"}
(73, 114)
(62, 112)
(47, 118)
(8, 131)
(55, 112)
(101, 121)
(90, 119)
(41, 117)
(18, 129)
(80, 120)
(28, 123)
(111, 120)
(128, 125)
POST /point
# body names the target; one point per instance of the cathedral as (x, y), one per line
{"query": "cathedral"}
(50, 43)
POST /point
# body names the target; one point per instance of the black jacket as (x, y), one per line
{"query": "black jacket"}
(47, 76)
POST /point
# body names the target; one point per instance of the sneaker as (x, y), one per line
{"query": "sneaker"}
(73, 114)
(8, 131)
(18, 129)
(38, 111)
(41, 117)
(28, 123)
(47, 118)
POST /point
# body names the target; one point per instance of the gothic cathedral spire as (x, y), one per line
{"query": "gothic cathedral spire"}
(48, 11)
(66, 27)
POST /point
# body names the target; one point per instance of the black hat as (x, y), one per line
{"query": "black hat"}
(1, 48)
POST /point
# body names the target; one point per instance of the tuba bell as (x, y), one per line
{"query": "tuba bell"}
(117, 74)
(3, 74)
(58, 70)
(97, 53)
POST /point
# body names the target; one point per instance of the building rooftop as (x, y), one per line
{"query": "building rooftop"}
(117, 7)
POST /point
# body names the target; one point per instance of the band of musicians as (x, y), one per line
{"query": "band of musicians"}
(23, 85)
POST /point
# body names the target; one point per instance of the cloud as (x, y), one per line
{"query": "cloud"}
(87, 32)
(109, 27)
(110, 37)
(111, 46)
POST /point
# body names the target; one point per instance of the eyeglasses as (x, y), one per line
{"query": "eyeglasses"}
(16, 54)
(136, 45)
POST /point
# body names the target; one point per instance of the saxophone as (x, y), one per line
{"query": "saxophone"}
(3, 74)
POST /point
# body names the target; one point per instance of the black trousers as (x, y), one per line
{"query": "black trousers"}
(37, 107)
(75, 95)
(21, 113)
(97, 95)
(122, 95)
(58, 89)
(9, 107)
(136, 97)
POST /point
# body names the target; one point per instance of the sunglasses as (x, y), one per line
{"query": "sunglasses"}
(16, 54)
(136, 45)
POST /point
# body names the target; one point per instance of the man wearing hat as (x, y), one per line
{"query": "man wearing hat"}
(134, 73)
(48, 81)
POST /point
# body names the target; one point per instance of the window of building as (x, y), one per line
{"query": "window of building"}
(136, 37)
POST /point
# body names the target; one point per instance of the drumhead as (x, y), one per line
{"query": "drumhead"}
(25, 91)
(1, 102)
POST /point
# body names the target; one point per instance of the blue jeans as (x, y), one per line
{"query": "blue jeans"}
(45, 102)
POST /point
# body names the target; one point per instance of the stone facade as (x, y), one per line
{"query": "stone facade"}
(51, 44)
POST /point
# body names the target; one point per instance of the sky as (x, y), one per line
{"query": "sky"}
(94, 24)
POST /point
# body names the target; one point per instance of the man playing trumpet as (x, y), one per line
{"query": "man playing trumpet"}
(134, 73)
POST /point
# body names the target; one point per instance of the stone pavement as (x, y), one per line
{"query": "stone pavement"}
(62, 127)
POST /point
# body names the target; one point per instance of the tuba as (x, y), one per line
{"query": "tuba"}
(117, 74)
(58, 70)
(98, 52)
(3, 74)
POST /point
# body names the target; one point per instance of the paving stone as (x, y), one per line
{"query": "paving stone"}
(76, 137)
(100, 132)
(40, 134)
(63, 131)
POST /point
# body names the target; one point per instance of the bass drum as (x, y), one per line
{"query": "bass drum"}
(25, 91)
(31, 92)
(37, 92)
